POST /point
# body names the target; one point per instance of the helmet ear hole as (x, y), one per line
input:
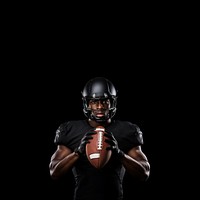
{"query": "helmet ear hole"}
(96, 89)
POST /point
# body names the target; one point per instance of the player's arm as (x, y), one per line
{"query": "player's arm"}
(62, 161)
(136, 163)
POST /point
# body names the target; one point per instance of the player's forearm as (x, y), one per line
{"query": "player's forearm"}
(139, 169)
(63, 166)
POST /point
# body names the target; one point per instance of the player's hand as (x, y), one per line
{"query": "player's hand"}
(113, 145)
(86, 139)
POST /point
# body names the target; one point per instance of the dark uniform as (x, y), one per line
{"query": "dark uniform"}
(92, 183)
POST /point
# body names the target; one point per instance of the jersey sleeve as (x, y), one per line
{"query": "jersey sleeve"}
(60, 134)
(137, 135)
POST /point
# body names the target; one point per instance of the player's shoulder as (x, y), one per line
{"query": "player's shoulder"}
(65, 127)
(71, 123)
(126, 123)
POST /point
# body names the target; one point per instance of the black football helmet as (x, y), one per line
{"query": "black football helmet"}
(99, 88)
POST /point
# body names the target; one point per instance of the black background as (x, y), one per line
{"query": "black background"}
(50, 55)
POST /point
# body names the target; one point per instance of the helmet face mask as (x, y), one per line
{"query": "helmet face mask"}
(99, 89)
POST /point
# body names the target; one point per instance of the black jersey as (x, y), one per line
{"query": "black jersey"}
(92, 183)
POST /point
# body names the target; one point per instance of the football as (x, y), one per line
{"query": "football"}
(96, 150)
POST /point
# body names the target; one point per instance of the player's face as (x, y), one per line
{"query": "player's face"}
(100, 108)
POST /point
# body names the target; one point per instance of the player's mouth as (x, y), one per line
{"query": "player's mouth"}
(99, 113)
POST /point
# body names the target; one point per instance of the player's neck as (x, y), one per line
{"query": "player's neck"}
(94, 123)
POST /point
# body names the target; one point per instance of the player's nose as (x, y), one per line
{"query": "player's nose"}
(99, 104)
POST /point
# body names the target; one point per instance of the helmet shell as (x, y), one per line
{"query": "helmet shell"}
(99, 88)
